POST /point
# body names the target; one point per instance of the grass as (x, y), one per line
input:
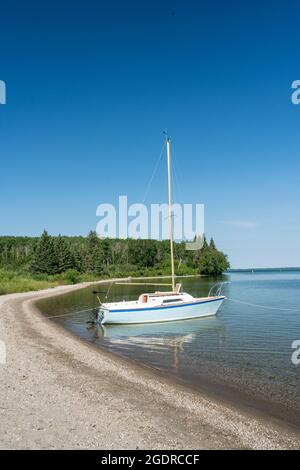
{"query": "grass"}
(21, 281)
(12, 282)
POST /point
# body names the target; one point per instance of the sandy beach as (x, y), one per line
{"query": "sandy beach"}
(59, 392)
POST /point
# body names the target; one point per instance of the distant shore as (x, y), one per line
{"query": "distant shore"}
(57, 391)
(257, 270)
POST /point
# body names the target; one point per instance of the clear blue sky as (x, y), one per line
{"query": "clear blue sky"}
(92, 84)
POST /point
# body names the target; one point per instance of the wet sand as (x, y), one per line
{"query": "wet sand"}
(60, 392)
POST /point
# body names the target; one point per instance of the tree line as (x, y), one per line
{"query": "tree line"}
(54, 255)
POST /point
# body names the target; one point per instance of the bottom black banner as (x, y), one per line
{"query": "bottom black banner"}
(135, 459)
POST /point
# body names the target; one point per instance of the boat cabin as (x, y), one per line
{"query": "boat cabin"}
(163, 298)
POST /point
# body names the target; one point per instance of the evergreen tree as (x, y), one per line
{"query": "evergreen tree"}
(44, 258)
(205, 244)
(142, 252)
(206, 263)
(97, 255)
(64, 257)
(93, 259)
(106, 250)
(212, 261)
(77, 254)
(212, 244)
(92, 240)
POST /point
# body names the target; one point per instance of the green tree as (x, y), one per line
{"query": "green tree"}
(212, 261)
(221, 262)
(142, 252)
(206, 264)
(44, 258)
(212, 244)
(64, 258)
(93, 258)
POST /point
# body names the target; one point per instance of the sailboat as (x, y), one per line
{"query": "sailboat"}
(161, 306)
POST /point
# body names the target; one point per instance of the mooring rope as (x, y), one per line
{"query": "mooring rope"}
(262, 306)
(73, 313)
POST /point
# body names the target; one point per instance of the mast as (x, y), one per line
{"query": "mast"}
(170, 211)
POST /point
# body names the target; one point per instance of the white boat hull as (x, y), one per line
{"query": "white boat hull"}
(196, 309)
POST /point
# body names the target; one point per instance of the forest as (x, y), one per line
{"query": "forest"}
(30, 263)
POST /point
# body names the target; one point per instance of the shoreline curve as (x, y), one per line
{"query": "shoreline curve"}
(60, 392)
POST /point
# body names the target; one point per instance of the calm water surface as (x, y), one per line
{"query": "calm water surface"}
(244, 351)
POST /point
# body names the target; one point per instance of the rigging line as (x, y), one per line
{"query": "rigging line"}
(154, 172)
(263, 306)
(175, 175)
(72, 313)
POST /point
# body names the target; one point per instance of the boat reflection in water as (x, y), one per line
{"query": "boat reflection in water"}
(158, 339)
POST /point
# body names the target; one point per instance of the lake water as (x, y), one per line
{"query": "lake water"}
(243, 354)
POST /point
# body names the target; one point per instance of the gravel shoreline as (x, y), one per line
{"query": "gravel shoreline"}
(59, 392)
